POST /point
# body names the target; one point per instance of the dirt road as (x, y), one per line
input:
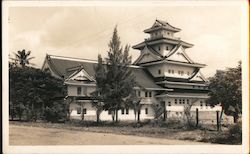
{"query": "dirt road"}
(25, 135)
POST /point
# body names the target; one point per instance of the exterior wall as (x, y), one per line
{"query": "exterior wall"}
(154, 70)
(148, 99)
(187, 70)
(105, 116)
(86, 90)
(162, 48)
(90, 111)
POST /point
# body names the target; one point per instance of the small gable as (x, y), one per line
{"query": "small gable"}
(146, 56)
(199, 77)
(80, 75)
(178, 54)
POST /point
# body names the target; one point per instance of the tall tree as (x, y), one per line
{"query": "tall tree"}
(226, 89)
(22, 58)
(115, 80)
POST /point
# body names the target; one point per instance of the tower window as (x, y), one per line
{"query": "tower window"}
(84, 111)
(78, 110)
(159, 71)
(79, 90)
(146, 110)
(146, 94)
(150, 94)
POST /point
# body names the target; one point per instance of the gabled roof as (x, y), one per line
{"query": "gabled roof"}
(198, 77)
(80, 75)
(178, 54)
(65, 66)
(148, 53)
(159, 24)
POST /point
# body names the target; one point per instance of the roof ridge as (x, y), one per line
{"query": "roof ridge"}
(73, 58)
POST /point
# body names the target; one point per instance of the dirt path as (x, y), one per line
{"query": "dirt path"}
(25, 135)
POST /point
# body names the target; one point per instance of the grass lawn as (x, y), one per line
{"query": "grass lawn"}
(165, 131)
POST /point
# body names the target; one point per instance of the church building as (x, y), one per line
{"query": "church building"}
(165, 76)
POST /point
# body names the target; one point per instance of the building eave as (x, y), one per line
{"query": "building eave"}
(80, 84)
(182, 96)
(173, 62)
(163, 40)
(181, 83)
(154, 89)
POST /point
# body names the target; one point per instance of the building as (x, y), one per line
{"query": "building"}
(165, 74)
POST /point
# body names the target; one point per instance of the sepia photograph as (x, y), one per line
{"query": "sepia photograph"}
(125, 77)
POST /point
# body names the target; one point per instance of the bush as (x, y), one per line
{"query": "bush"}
(56, 112)
(235, 132)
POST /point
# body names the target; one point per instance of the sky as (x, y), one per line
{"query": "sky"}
(85, 31)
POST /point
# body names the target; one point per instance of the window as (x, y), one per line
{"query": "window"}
(182, 72)
(177, 113)
(146, 110)
(168, 33)
(169, 71)
(78, 110)
(169, 103)
(179, 101)
(159, 71)
(150, 94)
(109, 112)
(188, 101)
(127, 111)
(139, 93)
(201, 104)
(84, 111)
(173, 71)
(183, 101)
(159, 48)
(79, 90)
(187, 73)
(122, 111)
(175, 101)
(146, 94)
(166, 47)
(179, 72)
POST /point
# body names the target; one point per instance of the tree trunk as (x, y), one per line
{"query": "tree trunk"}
(236, 117)
(221, 114)
(138, 116)
(113, 116)
(97, 116)
(116, 115)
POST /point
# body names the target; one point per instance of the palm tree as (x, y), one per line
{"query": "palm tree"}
(22, 57)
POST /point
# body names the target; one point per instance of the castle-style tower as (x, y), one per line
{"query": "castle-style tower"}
(165, 57)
